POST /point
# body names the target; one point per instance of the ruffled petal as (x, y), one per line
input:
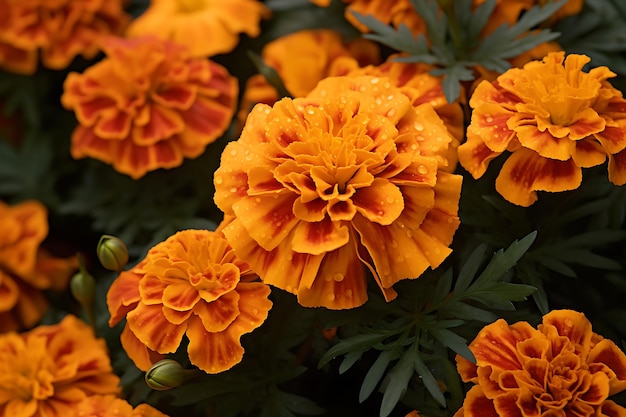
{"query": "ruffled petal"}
(477, 405)
(608, 353)
(139, 353)
(217, 315)
(573, 325)
(150, 326)
(123, 296)
(320, 237)
(212, 352)
(475, 156)
(254, 306)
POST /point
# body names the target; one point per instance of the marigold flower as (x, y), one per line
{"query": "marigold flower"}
(302, 59)
(394, 13)
(112, 406)
(55, 30)
(25, 268)
(348, 175)
(191, 284)
(148, 105)
(561, 368)
(206, 27)
(553, 119)
(50, 369)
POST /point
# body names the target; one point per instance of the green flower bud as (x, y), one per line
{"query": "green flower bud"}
(112, 253)
(167, 374)
(83, 288)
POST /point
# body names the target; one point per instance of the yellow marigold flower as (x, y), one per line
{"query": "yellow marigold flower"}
(56, 31)
(25, 268)
(206, 27)
(553, 119)
(347, 176)
(148, 105)
(50, 369)
(302, 59)
(562, 368)
(112, 406)
(191, 284)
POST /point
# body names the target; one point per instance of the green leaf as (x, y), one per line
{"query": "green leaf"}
(398, 378)
(469, 312)
(270, 74)
(469, 269)
(453, 341)
(354, 343)
(350, 359)
(375, 374)
(299, 404)
(428, 379)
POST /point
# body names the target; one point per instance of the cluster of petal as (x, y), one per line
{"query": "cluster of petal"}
(191, 284)
(552, 119)
(394, 13)
(509, 11)
(148, 105)
(562, 368)
(302, 59)
(113, 406)
(348, 177)
(206, 27)
(50, 369)
(55, 31)
(415, 82)
(26, 269)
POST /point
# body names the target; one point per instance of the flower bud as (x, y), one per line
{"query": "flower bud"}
(166, 374)
(112, 253)
(83, 288)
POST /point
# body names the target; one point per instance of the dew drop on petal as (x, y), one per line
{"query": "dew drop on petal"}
(488, 118)
(391, 112)
(338, 276)
(330, 296)
(418, 126)
(375, 80)
(390, 199)
(219, 179)
(233, 189)
(349, 293)
(422, 169)
(255, 311)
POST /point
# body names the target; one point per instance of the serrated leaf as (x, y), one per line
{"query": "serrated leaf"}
(434, 19)
(375, 374)
(398, 378)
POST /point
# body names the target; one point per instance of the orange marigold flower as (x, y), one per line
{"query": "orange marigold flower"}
(50, 369)
(25, 268)
(148, 105)
(554, 119)
(348, 175)
(206, 27)
(562, 368)
(55, 30)
(191, 284)
(395, 13)
(112, 406)
(302, 59)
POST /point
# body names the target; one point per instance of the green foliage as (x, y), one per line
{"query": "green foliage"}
(455, 43)
(417, 330)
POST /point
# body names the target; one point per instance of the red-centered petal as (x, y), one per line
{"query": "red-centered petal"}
(489, 122)
(212, 352)
(495, 344)
(588, 153)
(208, 117)
(150, 326)
(617, 168)
(394, 249)
(535, 349)
(506, 405)
(179, 97)
(613, 137)
(151, 289)
(418, 201)
(381, 202)
(586, 122)
(487, 93)
(88, 112)
(268, 219)
(142, 357)
(176, 317)
(598, 391)
(261, 181)
(180, 297)
(320, 237)
(573, 325)
(608, 353)
(228, 279)
(217, 315)
(86, 144)
(281, 267)
(341, 282)
(477, 405)
(525, 172)
(474, 155)
(254, 306)
(113, 125)
(136, 161)
(611, 409)
(544, 143)
(163, 123)
(421, 171)
(123, 296)
(526, 403)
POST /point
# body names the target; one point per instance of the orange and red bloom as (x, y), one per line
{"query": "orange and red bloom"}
(206, 27)
(345, 178)
(113, 406)
(26, 269)
(191, 284)
(553, 119)
(148, 105)
(55, 31)
(49, 370)
(562, 368)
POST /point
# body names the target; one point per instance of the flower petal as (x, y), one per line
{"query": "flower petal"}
(320, 237)
(611, 409)
(212, 352)
(142, 357)
(477, 405)
(150, 326)
(608, 353)
(123, 295)
(525, 172)
(180, 297)
(475, 155)
(217, 315)
(573, 325)
(254, 306)
(381, 202)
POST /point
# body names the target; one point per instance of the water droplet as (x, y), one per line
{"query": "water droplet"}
(219, 179)
(488, 118)
(422, 169)
(375, 80)
(380, 212)
(391, 112)
(338, 276)
(391, 199)
(330, 296)
(349, 293)
(310, 111)
(418, 126)
(409, 233)
(414, 147)
(394, 243)
(233, 152)
(400, 258)
(233, 189)
(257, 200)
(255, 311)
